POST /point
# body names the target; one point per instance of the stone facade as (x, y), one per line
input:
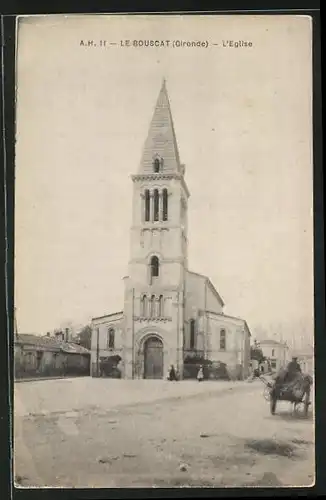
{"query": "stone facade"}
(277, 353)
(169, 312)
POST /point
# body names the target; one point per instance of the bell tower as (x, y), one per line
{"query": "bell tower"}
(154, 288)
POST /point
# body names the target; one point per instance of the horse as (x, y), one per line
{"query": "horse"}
(296, 392)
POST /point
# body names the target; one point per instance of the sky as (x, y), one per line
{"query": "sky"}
(243, 123)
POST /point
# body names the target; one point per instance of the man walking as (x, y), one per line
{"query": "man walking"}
(292, 369)
(287, 376)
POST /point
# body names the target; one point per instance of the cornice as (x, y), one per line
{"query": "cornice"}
(161, 176)
(118, 315)
(155, 226)
(163, 319)
(143, 288)
(156, 176)
(167, 260)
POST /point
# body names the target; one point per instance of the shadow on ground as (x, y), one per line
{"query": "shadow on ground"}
(272, 447)
(299, 416)
(269, 479)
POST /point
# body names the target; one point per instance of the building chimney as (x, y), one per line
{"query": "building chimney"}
(67, 335)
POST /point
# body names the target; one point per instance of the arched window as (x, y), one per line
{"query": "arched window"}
(111, 338)
(156, 205)
(222, 340)
(192, 333)
(273, 352)
(165, 204)
(155, 267)
(147, 205)
(143, 308)
(160, 306)
(156, 165)
(152, 311)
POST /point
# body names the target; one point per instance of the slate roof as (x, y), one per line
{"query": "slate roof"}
(108, 315)
(69, 347)
(270, 342)
(42, 341)
(161, 139)
(210, 284)
(52, 343)
(227, 316)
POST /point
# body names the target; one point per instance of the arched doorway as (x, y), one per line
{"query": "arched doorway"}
(153, 358)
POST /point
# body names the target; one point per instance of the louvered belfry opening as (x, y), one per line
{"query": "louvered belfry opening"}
(165, 204)
(147, 205)
(156, 205)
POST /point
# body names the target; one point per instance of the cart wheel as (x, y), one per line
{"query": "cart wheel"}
(306, 403)
(273, 401)
(267, 394)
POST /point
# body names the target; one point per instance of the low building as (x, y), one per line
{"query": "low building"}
(36, 356)
(276, 353)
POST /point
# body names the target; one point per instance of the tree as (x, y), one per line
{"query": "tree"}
(85, 337)
(256, 354)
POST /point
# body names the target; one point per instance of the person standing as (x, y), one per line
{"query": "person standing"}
(172, 373)
(200, 374)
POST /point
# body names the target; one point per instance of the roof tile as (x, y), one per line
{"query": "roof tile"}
(51, 343)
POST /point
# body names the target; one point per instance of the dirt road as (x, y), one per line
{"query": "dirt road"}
(161, 435)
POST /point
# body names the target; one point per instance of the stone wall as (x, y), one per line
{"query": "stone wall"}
(30, 363)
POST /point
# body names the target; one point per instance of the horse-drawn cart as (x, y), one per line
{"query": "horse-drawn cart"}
(296, 392)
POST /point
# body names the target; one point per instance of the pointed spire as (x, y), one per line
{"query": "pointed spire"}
(161, 141)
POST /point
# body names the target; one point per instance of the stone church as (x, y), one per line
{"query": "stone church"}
(169, 312)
